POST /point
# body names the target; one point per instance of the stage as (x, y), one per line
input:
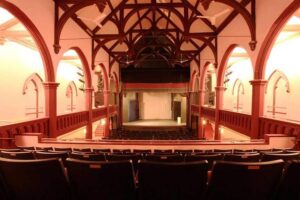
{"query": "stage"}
(153, 124)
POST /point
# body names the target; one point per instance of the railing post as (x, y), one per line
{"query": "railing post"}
(51, 106)
(219, 105)
(200, 123)
(106, 104)
(89, 108)
(258, 93)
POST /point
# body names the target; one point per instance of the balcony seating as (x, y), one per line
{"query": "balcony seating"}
(124, 151)
(283, 156)
(183, 151)
(89, 156)
(242, 157)
(169, 181)
(289, 187)
(200, 157)
(164, 158)
(34, 179)
(142, 151)
(125, 157)
(18, 155)
(101, 180)
(101, 150)
(62, 149)
(163, 151)
(52, 154)
(44, 148)
(246, 181)
(85, 150)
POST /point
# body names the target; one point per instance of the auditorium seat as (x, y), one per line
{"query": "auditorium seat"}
(172, 181)
(92, 180)
(18, 155)
(52, 154)
(11, 150)
(26, 148)
(223, 151)
(34, 179)
(163, 151)
(211, 157)
(44, 148)
(101, 150)
(289, 186)
(239, 151)
(244, 181)
(62, 149)
(164, 157)
(85, 150)
(242, 157)
(125, 157)
(283, 156)
(142, 151)
(183, 151)
(124, 151)
(90, 157)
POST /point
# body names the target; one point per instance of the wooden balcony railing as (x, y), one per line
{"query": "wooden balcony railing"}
(99, 113)
(8, 132)
(71, 121)
(276, 126)
(208, 113)
(113, 109)
(236, 121)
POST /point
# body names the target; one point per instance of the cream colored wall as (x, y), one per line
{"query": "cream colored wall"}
(17, 63)
(155, 105)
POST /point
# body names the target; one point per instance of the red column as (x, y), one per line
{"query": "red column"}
(258, 93)
(51, 107)
(219, 105)
(89, 108)
(200, 124)
(106, 104)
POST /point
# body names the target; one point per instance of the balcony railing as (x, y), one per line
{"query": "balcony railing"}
(236, 121)
(71, 121)
(208, 113)
(194, 108)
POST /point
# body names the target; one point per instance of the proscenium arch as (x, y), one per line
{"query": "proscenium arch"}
(37, 37)
(85, 66)
(271, 37)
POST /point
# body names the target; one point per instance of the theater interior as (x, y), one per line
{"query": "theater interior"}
(149, 99)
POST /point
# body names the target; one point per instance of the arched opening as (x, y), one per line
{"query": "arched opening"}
(113, 91)
(22, 66)
(70, 76)
(209, 84)
(99, 85)
(195, 93)
(237, 76)
(282, 72)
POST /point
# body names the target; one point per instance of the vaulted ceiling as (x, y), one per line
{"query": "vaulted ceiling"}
(116, 26)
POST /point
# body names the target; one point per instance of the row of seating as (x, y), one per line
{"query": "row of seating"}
(168, 151)
(47, 179)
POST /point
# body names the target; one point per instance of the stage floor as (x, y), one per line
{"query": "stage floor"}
(154, 123)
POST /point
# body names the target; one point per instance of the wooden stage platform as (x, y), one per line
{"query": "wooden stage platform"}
(160, 124)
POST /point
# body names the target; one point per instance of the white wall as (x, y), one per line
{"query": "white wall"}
(17, 63)
(155, 105)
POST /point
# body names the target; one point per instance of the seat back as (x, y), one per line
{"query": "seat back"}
(34, 179)
(169, 181)
(183, 151)
(164, 158)
(283, 156)
(101, 180)
(62, 149)
(242, 157)
(101, 150)
(142, 151)
(18, 155)
(44, 148)
(251, 180)
(84, 150)
(289, 186)
(52, 154)
(84, 156)
(168, 151)
(199, 157)
(121, 151)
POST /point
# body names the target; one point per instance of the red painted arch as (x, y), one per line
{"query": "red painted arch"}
(271, 37)
(223, 64)
(36, 35)
(116, 81)
(203, 74)
(192, 83)
(85, 65)
(105, 76)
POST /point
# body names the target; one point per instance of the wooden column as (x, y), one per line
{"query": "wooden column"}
(200, 124)
(106, 104)
(258, 94)
(219, 105)
(51, 106)
(89, 108)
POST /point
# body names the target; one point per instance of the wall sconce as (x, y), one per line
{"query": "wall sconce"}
(102, 122)
(204, 122)
(221, 130)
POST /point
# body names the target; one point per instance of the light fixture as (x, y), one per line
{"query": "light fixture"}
(103, 122)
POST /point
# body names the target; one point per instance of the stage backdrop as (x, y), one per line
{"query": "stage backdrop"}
(155, 105)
